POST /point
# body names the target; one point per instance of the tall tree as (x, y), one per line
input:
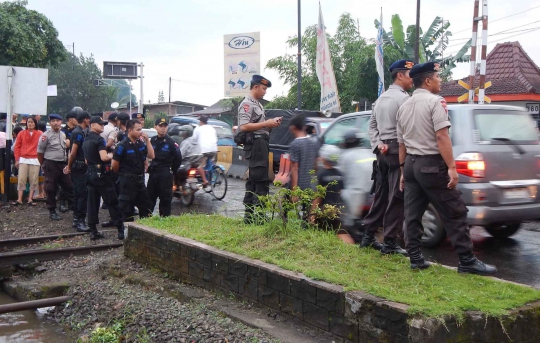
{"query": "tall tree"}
(123, 93)
(432, 45)
(75, 81)
(353, 61)
(27, 37)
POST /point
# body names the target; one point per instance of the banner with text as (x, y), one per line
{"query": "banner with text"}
(242, 60)
(325, 72)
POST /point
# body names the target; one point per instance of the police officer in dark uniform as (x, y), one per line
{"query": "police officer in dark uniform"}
(167, 156)
(139, 117)
(387, 208)
(77, 167)
(97, 180)
(122, 118)
(252, 122)
(429, 174)
(71, 124)
(52, 156)
(128, 162)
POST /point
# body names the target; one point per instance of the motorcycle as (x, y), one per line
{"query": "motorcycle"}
(188, 181)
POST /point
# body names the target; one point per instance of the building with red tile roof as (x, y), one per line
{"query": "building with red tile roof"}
(514, 76)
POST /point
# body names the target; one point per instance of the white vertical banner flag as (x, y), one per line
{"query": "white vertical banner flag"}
(325, 72)
(379, 58)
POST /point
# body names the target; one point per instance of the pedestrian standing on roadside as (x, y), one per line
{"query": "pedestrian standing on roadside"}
(128, 162)
(429, 171)
(67, 129)
(77, 168)
(53, 159)
(27, 162)
(97, 180)
(387, 208)
(138, 117)
(253, 124)
(110, 131)
(167, 157)
(122, 120)
(303, 154)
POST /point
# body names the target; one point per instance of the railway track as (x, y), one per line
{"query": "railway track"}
(8, 244)
(27, 256)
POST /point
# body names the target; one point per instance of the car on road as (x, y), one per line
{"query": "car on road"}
(497, 153)
(150, 132)
(223, 130)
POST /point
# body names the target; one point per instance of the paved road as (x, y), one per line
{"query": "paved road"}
(517, 258)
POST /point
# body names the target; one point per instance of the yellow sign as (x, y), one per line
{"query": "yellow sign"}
(476, 90)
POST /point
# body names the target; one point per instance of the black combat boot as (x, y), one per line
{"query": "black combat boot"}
(75, 223)
(390, 246)
(107, 224)
(369, 241)
(53, 215)
(64, 207)
(94, 233)
(81, 225)
(417, 259)
(468, 263)
(121, 230)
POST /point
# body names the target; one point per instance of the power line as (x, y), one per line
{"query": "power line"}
(493, 21)
(500, 32)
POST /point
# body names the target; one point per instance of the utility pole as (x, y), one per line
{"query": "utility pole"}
(141, 100)
(481, 86)
(472, 75)
(300, 58)
(417, 34)
(129, 96)
(169, 107)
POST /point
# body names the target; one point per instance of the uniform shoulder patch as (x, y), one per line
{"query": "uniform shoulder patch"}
(444, 105)
(246, 107)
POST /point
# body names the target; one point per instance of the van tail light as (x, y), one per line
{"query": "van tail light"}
(471, 164)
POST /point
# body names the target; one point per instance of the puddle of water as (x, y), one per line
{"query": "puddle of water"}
(27, 326)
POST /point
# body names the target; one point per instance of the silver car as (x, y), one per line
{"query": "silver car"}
(497, 155)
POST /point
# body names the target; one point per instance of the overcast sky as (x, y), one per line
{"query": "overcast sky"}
(183, 39)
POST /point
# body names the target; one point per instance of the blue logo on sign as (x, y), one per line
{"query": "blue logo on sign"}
(241, 42)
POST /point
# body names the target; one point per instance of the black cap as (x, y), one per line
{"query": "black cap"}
(203, 119)
(97, 114)
(97, 120)
(83, 115)
(401, 65)
(161, 121)
(113, 116)
(137, 115)
(424, 68)
(70, 115)
(260, 80)
(123, 116)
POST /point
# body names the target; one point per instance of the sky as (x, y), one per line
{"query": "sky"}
(183, 39)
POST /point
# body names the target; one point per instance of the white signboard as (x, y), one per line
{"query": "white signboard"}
(533, 107)
(242, 60)
(28, 88)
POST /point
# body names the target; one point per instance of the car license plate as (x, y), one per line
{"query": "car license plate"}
(516, 193)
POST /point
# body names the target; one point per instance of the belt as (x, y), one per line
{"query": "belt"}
(154, 169)
(52, 161)
(425, 156)
(390, 141)
(132, 176)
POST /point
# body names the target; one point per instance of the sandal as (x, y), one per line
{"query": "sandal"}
(16, 203)
(31, 203)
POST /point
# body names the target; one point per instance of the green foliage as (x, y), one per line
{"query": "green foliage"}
(432, 44)
(353, 60)
(150, 121)
(111, 334)
(285, 208)
(28, 38)
(75, 80)
(123, 93)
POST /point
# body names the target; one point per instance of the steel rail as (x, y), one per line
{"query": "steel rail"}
(7, 244)
(26, 256)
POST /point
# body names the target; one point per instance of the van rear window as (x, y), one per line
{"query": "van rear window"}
(517, 126)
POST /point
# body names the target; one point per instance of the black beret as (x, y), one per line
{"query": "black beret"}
(123, 116)
(424, 68)
(260, 80)
(83, 115)
(113, 116)
(70, 115)
(401, 65)
(54, 116)
(97, 120)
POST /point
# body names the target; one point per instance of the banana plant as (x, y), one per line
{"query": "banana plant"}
(432, 44)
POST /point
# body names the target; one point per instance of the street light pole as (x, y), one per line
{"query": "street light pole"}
(299, 59)
(417, 40)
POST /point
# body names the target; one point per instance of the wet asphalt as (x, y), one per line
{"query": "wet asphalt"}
(517, 258)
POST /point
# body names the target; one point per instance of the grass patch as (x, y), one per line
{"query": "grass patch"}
(435, 292)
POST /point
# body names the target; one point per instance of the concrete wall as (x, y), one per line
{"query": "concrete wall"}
(351, 316)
